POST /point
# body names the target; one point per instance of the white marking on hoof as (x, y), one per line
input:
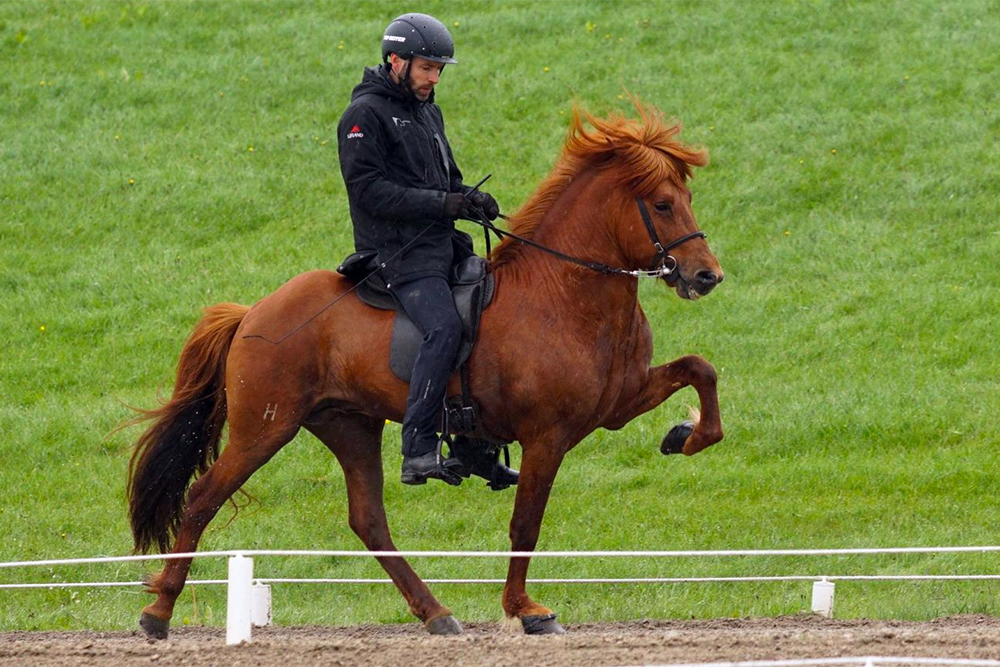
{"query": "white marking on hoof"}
(694, 414)
(511, 625)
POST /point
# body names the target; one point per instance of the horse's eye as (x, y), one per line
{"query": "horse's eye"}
(662, 206)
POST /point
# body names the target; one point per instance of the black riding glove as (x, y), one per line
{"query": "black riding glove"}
(485, 201)
(456, 206)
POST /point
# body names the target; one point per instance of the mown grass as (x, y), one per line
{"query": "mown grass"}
(159, 157)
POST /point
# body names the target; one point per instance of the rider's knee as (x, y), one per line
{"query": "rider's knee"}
(449, 331)
(446, 333)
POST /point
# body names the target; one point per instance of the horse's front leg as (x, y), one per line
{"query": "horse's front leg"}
(539, 465)
(661, 383)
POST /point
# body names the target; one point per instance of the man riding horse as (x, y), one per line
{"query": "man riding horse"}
(405, 192)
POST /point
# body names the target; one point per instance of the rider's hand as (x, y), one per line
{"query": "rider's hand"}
(456, 206)
(485, 201)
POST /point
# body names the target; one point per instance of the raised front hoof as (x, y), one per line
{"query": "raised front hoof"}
(155, 628)
(444, 625)
(678, 435)
(542, 625)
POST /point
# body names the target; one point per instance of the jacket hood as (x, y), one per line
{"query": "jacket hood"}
(376, 80)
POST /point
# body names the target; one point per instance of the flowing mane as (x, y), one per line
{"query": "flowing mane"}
(644, 152)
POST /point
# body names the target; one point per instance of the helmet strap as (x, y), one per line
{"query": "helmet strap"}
(404, 79)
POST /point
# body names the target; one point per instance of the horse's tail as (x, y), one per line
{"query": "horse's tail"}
(184, 438)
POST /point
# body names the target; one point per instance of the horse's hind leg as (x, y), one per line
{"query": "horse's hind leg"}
(242, 456)
(356, 441)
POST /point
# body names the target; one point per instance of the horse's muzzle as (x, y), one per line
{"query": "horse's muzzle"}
(704, 282)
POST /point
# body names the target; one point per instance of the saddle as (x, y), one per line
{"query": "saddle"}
(471, 288)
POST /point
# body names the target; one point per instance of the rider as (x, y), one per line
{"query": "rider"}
(405, 192)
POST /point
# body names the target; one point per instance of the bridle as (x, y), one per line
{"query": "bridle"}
(661, 250)
(664, 264)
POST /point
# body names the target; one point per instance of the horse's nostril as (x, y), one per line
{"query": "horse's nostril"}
(707, 278)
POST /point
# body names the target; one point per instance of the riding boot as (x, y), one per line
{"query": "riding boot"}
(476, 460)
(418, 469)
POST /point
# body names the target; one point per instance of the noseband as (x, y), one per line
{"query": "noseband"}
(660, 264)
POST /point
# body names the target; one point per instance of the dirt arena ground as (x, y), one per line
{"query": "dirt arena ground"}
(487, 645)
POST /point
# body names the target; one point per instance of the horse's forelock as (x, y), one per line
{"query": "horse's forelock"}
(646, 151)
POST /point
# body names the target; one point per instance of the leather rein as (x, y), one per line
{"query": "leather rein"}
(664, 264)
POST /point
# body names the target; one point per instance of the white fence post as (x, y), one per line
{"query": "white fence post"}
(239, 599)
(261, 608)
(822, 598)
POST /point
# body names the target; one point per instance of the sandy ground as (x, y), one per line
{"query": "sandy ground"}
(486, 644)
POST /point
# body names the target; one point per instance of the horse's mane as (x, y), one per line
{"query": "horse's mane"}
(642, 152)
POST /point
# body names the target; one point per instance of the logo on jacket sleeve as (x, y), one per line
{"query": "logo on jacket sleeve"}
(355, 133)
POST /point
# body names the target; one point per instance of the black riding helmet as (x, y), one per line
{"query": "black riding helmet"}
(420, 35)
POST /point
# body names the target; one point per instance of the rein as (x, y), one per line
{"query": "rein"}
(661, 271)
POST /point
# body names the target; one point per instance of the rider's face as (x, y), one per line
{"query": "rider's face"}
(424, 74)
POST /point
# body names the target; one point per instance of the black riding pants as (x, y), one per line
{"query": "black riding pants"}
(429, 304)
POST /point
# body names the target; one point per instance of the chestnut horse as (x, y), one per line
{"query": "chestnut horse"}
(563, 350)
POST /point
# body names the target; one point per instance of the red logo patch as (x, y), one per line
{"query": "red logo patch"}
(355, 133)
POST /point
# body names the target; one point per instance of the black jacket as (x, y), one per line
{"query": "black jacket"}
(398, 166)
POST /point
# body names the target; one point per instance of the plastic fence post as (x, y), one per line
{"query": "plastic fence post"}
(239, 599)
(261, 607)
(822, 597)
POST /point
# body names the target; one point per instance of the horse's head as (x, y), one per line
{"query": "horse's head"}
(626, 179)
(658, 228)
(662, 234)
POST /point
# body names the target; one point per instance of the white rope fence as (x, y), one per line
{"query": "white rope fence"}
(249, 599)
(354, 553)
(618, 580)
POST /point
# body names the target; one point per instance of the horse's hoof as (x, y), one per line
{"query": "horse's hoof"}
(155, 628)
(542, 625)
(678, 435)
(444, 625)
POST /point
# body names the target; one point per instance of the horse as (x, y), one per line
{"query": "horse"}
(562, 351)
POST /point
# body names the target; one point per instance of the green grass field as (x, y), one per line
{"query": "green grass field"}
(158, 157)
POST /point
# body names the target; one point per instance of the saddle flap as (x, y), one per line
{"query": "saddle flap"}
(470, 302)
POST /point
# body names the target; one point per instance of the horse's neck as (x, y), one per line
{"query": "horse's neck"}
(579, 225)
